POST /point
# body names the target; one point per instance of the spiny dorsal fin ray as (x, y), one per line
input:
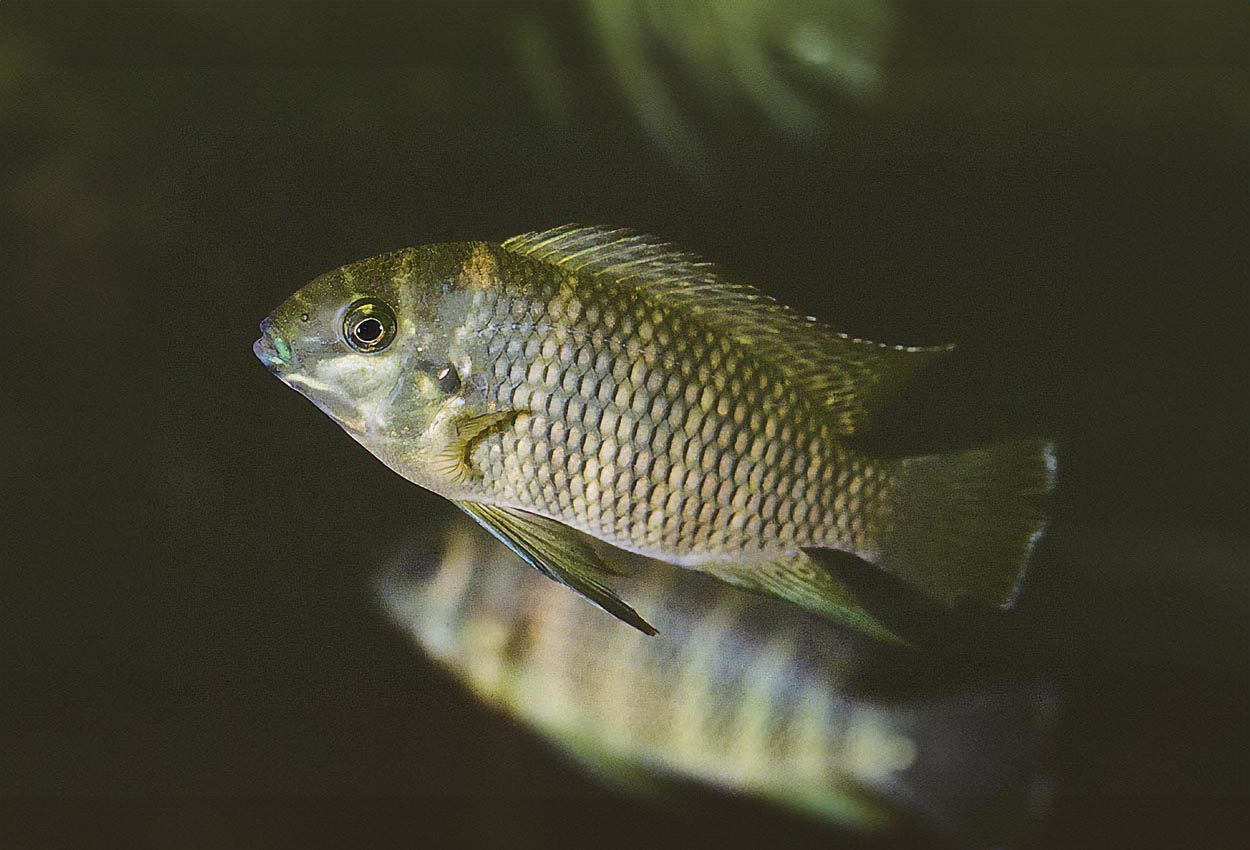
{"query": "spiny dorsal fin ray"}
(556, 551)
(847, 376)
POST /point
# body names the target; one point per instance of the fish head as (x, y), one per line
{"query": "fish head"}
(372, 345)
(465, 600)
(432, 585)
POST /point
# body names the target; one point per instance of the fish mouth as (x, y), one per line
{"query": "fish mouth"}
(271, 349)
(276, 354)
(266, 353)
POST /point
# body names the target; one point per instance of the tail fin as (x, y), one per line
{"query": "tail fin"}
(964, 525)
(982, 767)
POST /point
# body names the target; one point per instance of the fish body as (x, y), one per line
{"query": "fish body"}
(582, 385)
(739, 692)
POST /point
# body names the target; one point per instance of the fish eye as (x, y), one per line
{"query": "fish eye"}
(369, 325)
(448, 379)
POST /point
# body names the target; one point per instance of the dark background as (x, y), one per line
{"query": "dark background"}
(190, 653)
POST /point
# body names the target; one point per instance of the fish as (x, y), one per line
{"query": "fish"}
(739, 692)
(586, 391)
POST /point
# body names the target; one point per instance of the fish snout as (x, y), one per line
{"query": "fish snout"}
(264, 351)
(271, 349)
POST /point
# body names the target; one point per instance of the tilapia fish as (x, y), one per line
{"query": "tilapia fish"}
(586, 386)
(738, 692)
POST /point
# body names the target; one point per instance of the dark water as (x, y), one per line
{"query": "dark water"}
(191, 654)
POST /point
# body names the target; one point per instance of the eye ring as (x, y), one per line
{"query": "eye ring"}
(369, 325)
(448, 379)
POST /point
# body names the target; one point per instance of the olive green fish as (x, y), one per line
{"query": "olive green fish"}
(586, 386)
(739, 692)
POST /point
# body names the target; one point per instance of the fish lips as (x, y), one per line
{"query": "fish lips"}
(272, 350)
(285, 369)
(266, 353)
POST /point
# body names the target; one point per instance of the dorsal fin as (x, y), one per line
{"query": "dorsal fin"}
(845, 375)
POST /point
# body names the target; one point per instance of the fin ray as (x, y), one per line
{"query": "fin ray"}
(801, 580)
(965, 525)
(849, 377)
(556, 551)
(453, 459)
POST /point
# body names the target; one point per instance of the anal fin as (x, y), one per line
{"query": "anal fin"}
(800, 580)
(558, 552)
(900, 606)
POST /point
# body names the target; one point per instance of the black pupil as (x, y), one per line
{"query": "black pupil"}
(448, 379)
(369, 330)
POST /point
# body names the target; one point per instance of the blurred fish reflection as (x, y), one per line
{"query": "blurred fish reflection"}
(739, 692)
(680, 64)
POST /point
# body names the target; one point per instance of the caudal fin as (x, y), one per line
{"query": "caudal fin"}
(963, 526)
(981, 769)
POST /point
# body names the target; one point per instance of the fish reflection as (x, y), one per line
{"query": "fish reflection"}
(783, 58)
(739, 692)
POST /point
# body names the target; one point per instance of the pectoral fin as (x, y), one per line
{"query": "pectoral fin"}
(556, 551)
(453, 459)
(807, 584)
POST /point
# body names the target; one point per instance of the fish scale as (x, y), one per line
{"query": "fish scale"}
(688, 451)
